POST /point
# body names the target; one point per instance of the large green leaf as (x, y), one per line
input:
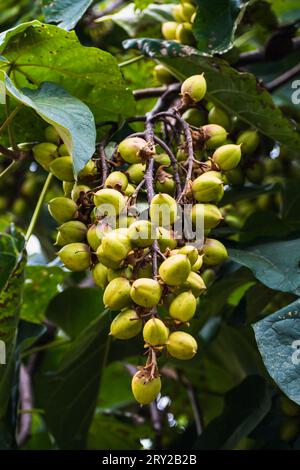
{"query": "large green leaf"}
(42, 283)
(239, 93)
(133, 21)
(72, 119)
(274, 264)
(216, 22)
(66, 13)
(287, 11)
(278, 341)
(37, 53)
(73, 309)
(68, 393)
(121, 435)
(245, 406)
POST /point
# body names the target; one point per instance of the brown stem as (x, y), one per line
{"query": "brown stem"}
(25, 389)
(282, 79)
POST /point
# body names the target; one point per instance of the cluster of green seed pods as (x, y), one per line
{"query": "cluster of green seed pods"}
(152, 277)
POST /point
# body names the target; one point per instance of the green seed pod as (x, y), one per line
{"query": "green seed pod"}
(129, 191)
(130, 149)
(45, 154)
(174, 271)
(155, 332)
(218, 116)
(227, 157)
(62, 168)
(126, 325)
(163, 75)
(95, 234)
(75, 256)
(249, 140)
(67, 188)
(235, 177)
(116, 244)
(178, 13)
(184, 34)
(113, 273)
(141, 233)
(195, 117)
(214, 252)
(208, 214)
(163, 210)
(51, 135)
(187, 11)
(166, 185)
(62, 209)
(143, 389)
(168, 30)
(109, 202)
(116, 180)
(255, 173)
(181, 345)
(198, 264)
(63, 151)
(136, 172)
(166, 239)
(208, 188)
(195, 283)
(106, 260)
(208, 276)
(146, 292)
(88, 172)
(214, 135)
(117, 294)
(73, 231)
(183, 307)
(181, 155)
(194, 87)
(99, 273)
(162, 159)
(78, 191)
(191, 252)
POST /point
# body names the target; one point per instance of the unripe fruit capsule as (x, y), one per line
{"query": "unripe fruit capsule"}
(62, 209)
(155, 332)
(130, 149)
(52, 135)
(194, 117)
(214, 135)
(166, 239)
(194, 87)
(198, 264)
(126, 325)
(168, 30)
(183, 307)
(116, 244)
(178, 13)
(220, 117)
(99, 273)
(187, 11)
(174, 271)
(146, 292)
(208, 188)
(45, 154)
(141, 233)
(182, 345)
(63, 151)
(114, 273)
(214, 252)
(109, 202)
(95, 234)
(191, 252)
(207, 214)
(75, 256)
(106, 260)
(78, 191)
(163, 75)
(145, 390)
(227, 157)
(116, 180)
(163, 210)
(249, 140)
(195, 283)
(88, 172)
(117, 294)
(184, 34)
(73, 231)
(136, 172)
(62, 168)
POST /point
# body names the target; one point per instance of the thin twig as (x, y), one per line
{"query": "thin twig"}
(282, 79)
(193, 397)
(131, 61)
(38, 207)
(9, 169)
(104, 168)
(155, 92)
(26, 403)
